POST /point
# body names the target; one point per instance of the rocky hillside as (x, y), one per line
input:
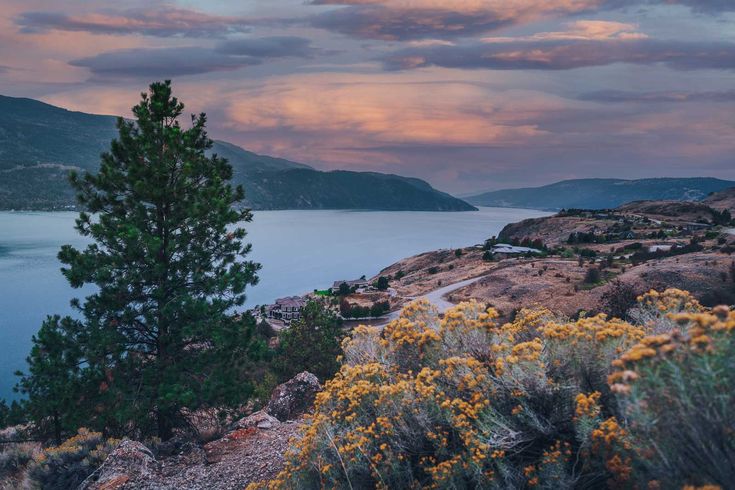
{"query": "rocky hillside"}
(601, 193)
(722, 200)
(637, 219)
(40, 144)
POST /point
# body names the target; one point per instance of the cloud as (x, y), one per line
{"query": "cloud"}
(566, 55)
(194, 60)
(617, 96)
(707, 6)
(161, 22)
(268, 47)
(582, 30)
(400, 20)
(162, 62)
(381, 22)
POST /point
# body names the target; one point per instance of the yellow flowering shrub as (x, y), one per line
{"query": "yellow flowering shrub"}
(677, 391)
(68, 464)
(655, 308)
(465, 401)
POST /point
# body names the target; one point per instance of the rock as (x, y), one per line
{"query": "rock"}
(295, 397)
(130, 460)
(260, 420)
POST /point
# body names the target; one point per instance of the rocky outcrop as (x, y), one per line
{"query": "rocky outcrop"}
(252, 451)
(130, 461)
(294, 398)
(259, 420)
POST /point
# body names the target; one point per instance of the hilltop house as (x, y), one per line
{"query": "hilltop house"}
(353, 285)
(287, 309)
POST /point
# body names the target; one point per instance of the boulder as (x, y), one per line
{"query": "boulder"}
(295, 397)
(130, 460)
(260, 420)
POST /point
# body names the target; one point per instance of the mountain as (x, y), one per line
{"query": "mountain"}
(41, 143)
(602, 193)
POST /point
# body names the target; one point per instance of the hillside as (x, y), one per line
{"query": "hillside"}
(722, 200)
(601, 193)
(40, 144)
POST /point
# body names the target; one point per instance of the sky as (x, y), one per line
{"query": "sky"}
(471, 95)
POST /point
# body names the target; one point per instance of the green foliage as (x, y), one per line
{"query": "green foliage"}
(167, 262)
(311, 343)
(12, 414)
(56, 381)
(458, 253)
(382, 283)
(488, 256)
(70, 463)
(592, 276)
(344, 289)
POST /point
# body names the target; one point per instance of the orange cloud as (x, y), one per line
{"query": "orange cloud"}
(582, 30)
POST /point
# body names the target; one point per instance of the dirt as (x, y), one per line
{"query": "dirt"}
(559, 284)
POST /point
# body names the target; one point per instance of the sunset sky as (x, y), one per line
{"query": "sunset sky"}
(471, 95)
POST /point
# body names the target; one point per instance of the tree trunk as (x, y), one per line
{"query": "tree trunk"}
(165, 424)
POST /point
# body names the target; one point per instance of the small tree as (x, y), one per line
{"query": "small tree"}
(458, 253)
(167, 259)
(382, 283)
(311, 343)
(592, 276)
(344, 289)
(55, 381)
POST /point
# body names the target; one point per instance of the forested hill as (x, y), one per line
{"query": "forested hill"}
(40, 143)
(602, 193)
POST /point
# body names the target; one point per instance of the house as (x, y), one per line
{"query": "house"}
(697, 226)
(510, 250)
(287, 309)
(353, 285)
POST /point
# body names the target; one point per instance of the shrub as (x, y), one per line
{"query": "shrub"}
(592, 276)
(433, 270)
(619, 298)
(677, 391)
(457, 402)
(67, 465)
(13, 460)
(464, 402)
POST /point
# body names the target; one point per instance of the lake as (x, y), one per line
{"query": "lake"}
(299, 251)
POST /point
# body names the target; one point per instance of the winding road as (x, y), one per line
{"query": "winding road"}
(435, 297)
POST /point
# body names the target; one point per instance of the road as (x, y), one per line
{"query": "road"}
(435, 297)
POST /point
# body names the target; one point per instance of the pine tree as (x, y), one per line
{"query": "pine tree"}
(160, 333)
(311, 343)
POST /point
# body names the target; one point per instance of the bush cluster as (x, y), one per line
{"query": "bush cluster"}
(70, 463)
(464, 401)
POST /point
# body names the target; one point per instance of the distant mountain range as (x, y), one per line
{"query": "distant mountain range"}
(601, 193)
(41, 143)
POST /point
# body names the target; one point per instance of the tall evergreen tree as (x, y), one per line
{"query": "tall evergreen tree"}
(167, 259)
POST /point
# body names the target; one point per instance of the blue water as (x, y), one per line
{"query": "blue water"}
(299, 250)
